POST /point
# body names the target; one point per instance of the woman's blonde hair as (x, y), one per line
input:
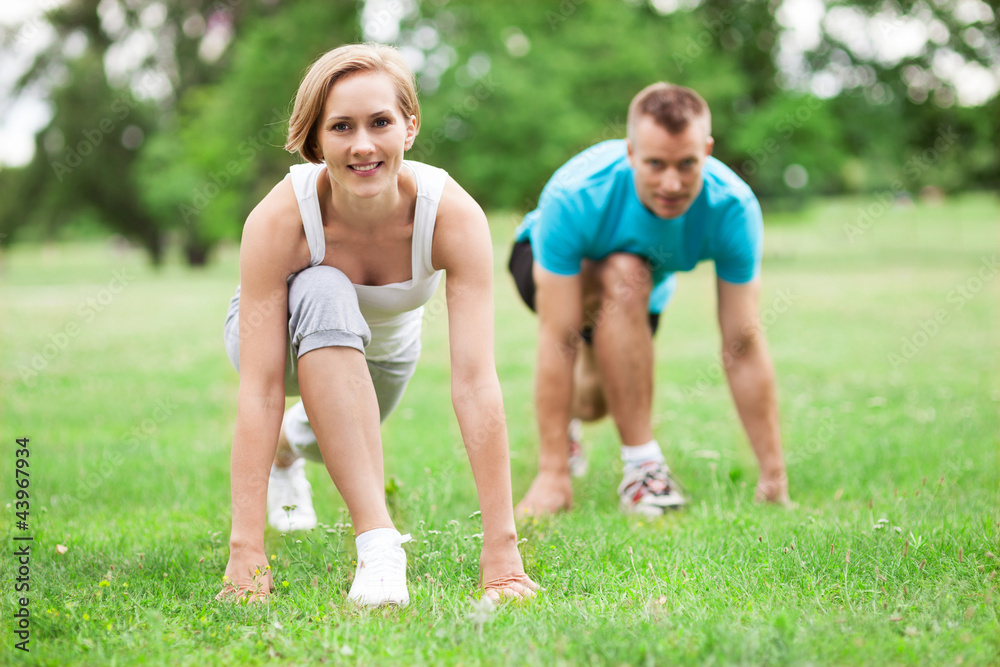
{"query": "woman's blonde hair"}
(330, 68)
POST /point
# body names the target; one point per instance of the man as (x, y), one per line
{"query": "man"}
(596, 261)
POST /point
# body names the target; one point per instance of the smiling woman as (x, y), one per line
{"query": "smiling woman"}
(335, 266)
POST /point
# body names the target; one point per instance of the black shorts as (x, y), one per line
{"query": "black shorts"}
(521, 265)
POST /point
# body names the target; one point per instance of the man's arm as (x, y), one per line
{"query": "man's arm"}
(750, 373)
(559, 302)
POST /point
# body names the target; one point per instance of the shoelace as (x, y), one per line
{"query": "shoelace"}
(649, 478)
(380, 562)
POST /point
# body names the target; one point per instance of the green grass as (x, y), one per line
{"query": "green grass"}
(889, 558)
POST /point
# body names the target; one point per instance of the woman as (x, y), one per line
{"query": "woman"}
(335, 264)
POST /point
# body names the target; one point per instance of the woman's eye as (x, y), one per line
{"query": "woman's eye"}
(340, 127)
(382, 122)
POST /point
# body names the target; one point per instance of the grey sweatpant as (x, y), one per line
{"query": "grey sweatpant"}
(323, 311)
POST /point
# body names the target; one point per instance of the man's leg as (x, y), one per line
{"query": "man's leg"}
(623, 347)
(589, 402)
(284, 456)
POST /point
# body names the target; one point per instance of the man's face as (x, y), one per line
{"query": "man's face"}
(668, 166)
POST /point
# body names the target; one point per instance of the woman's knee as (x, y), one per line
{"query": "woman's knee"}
(323, 311)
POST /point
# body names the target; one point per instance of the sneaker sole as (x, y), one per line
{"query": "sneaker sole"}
(650, 510)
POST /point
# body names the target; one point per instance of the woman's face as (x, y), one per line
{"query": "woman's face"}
(363, 133)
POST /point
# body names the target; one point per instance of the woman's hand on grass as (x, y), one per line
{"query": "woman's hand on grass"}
(247, 579)
(502, 574)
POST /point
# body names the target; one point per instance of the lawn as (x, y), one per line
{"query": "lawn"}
(883, 328)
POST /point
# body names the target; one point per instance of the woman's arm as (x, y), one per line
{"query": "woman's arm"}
(462, 247)
(270, 251)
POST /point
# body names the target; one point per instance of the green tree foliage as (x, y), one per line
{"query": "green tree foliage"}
(222, 151)
(904, 67)
(532, 83)
(509, 92)
(108, 103)
(83, 166)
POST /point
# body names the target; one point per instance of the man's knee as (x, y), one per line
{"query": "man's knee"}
(625, 279)
(323, 311)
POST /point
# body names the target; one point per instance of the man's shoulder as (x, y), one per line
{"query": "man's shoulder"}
(578, 193)
(590, 170)
(724, 186)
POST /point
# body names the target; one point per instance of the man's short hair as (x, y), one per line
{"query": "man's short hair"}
(672, 107)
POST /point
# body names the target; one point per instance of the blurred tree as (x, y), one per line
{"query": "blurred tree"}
(914, 85)
(83, 161)
(112, 72)
(512, 90)
(222, 150)
(170, 115)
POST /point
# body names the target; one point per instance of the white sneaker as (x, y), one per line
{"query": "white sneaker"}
(289, 499)
(380, 578)
(577, 457)
(649, 489)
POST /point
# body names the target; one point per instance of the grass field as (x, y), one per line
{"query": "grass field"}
(884, 331)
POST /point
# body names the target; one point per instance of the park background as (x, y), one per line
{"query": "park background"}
(869, 131)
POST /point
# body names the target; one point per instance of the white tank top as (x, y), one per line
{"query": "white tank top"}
(393, 312)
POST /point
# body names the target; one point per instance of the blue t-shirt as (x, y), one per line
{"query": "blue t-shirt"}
(589, 209)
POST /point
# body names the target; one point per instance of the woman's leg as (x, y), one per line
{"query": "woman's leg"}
(328, 336)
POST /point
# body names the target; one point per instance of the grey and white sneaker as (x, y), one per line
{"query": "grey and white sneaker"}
(577, 457)
(380, 578)
(649, 489)
(289, 499)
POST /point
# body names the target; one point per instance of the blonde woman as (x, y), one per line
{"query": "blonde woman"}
(335, 265)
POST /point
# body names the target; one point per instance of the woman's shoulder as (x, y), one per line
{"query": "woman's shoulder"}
(460, 222)
(279, 209)
(275, 226)
(456, 204)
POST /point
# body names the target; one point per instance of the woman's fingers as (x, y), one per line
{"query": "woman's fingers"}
(518, 586)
